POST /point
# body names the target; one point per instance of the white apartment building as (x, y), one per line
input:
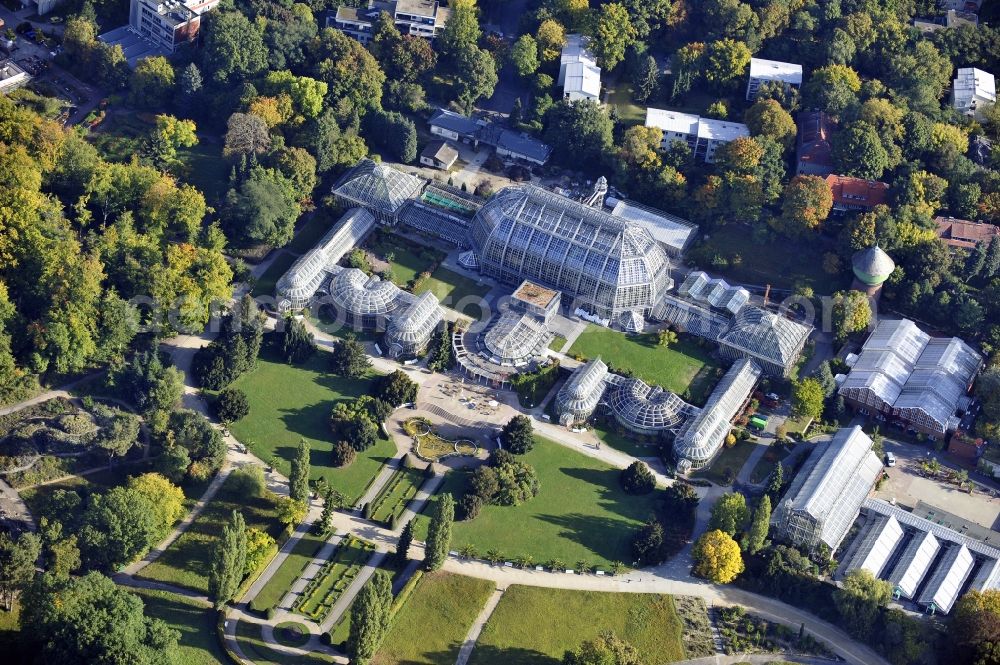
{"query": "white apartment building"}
(158, 27)
(419, 18)
(11, 76)
(703, 135)
(763, 71)
(579, 74)
(973, 90)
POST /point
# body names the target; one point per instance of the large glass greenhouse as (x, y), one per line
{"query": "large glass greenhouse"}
(516, 338)
(580, 395)
(306, 276)
(608, 264)
(772, 340)
(364, 301)
(702, 437)
(410, 330)
(378, 188)
(647, 409)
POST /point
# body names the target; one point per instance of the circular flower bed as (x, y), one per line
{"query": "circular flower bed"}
(291, 634)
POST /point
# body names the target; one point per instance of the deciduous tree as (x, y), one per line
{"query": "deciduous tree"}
(717, 557)
(517, 435)
(613, 35)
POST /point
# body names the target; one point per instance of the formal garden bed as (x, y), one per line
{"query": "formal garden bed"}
(391, 502)
(280, 583)
(429, 446)
(251, 640)
(322, 592)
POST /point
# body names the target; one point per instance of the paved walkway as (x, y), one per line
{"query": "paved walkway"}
(477, 626)
(311, 570)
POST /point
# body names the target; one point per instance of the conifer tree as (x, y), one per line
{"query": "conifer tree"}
(439, 533)
(404, 542)
(370, 618)
(756, 535)
(298, 480)
(228, 561)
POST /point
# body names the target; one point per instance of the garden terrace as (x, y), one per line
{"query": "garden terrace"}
(251, 641)
(391, 502)
(322, 591)
(291, 569)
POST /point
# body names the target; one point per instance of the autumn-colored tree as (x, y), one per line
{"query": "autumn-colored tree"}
(717, 557)
(551, 37)
(852, 313)
(806, 205)
(768, 118)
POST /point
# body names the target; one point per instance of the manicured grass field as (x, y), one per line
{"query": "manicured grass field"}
(681, 367)
(336, 575)
(409, 259)
(626, 444)
(252, 643)
(580, 514)
(431, 626)
(537, 626)
(186, 562)
(293, 402)
(290, 570)
(455, 291)
(196, 623)
(401, 488)
(266, 282)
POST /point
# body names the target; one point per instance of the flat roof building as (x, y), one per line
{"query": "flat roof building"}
(418, 18)
(158, 27)
(972, 91)
(703, 135)
(765, 71)
(907, 375)
(515, 145)
(826, 495)
(11, 76)
(674, 233)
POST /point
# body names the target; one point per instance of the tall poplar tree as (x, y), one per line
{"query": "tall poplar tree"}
(439, 533)
(298, 481)
(228, 561)
(370, 618)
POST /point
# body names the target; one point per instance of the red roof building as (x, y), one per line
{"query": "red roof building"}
(814, 152)
(963, 234)
(856, 193)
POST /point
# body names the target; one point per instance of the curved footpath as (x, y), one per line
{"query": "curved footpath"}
(671, 578)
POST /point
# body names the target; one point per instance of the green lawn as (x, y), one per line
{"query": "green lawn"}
(186, 562)
(196, 623)
(627, 444)
(537, 626)
(265, 283)
(431, 626)
(580, 514)
(392, 500)
(455, 291)
(206, 168)
(253, 646)
(290, 570)
(727, 465)
(682, 367)
(620, 96)
(293, 402)
(409, 259)
(782, 263)
(310, 232)
(336, 575)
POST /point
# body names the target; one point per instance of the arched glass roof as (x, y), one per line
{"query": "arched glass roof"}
(641, 407)
(414, 325)
(378, 186)
(766, 335)
(580, 395)
(361, 295)
(701, 437)
(517, 338)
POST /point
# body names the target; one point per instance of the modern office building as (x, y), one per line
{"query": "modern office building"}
(579, 74)
(297, 287)
(607, 265)
(766, 71)
(418, 18)
(11, 76)
(702, 135)
(701, 438)
(158, 27)
(972, 91)
(911, 378)
(826, 495)
(773, 341)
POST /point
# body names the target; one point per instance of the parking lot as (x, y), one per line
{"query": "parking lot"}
(907, 485)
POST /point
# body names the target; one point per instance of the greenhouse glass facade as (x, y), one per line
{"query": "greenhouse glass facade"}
(580, 395)
(410, 331)
(364, 301)
(607, 264)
